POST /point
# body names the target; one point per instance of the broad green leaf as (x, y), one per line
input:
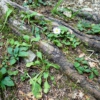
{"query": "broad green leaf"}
(37, 62)
(91, 75)
(26, 38)
(33, 14)
(36, 90)
(10, 72)
(7, 81)
(79, 71)
(57, 42)
(9, 50)
(25, 44)
(39, 55)
(17, 43)
(23, 54)
(9, 11)
(54, 65)
(11, 41)
(23, 48)
(29, 64)
(87, 70)
(45, 75)
(39, 80)
(35, 39)
(81, 68)
(76, 64)
(12, 60)
(85, 67)
(84, 62)
(79, 59)
(16, 50)
(46, 87)
(63, 28)
(52, 78)
(3, 70)
(96, 72)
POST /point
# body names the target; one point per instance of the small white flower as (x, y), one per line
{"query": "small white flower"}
(56, 30)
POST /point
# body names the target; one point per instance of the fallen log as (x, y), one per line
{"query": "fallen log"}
(58, 57)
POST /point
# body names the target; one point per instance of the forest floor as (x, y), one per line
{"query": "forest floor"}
(62, 88)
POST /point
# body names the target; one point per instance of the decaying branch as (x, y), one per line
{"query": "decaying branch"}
(57, 56)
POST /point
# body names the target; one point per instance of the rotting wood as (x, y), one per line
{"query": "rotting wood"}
(58, 57)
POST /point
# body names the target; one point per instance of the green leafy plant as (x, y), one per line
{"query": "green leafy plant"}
(27, 16)
(54, 10)
(34, 3)
(64, 38)
(5, 75)
(41, 79)
(16, 52)
(82, 66)
(88, 27)
(8, 13)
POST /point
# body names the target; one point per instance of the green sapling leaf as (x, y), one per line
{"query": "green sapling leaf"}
(76, 64)
(26, 38)
(7, 81)
(29, 64)
(46, 87)
(39, 55)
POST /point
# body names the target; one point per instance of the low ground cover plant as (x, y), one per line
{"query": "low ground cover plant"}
(82, 66)
(63, 37)
(88, 28)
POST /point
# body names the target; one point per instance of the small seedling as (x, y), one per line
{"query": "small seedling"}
(37, 81)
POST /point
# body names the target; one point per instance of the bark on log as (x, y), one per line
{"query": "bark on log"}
(58, 57)
(91, 16)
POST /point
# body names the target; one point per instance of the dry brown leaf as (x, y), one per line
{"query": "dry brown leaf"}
(82, 55)
(21, 92)
(59, 77)
(29, 94)
(87, 97)
(92, 64)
